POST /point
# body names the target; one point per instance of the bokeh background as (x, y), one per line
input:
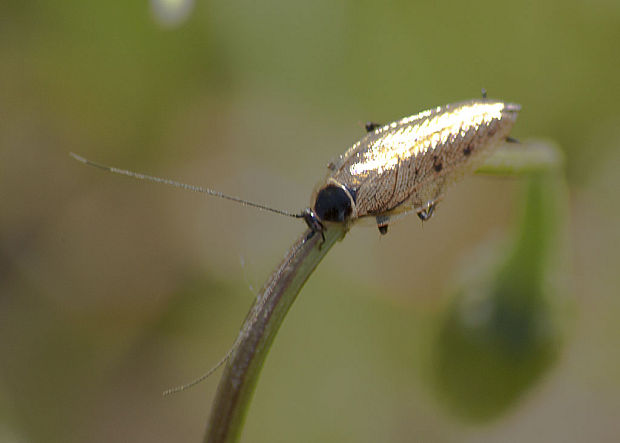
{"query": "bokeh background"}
(495, 321)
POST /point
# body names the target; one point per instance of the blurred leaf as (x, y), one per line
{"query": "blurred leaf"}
(499, 334)
(523, 158)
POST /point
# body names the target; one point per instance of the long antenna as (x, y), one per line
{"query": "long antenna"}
(177, 184)
(203, 377)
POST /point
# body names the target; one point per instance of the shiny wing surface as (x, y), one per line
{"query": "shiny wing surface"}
(410, 160)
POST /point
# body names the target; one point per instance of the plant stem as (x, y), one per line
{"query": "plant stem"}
(236, 387)
(513, 159)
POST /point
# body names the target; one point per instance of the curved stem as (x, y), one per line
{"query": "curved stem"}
(236, 387)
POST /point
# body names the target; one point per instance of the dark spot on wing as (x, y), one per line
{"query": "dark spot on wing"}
(437, 164)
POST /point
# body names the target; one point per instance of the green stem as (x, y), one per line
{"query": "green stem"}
(236, 387)
(532, 156)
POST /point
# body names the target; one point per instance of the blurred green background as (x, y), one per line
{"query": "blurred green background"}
(112, 290)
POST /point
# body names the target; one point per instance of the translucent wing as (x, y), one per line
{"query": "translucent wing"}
(405, 166)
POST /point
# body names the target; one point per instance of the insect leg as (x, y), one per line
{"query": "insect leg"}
(371, 126)
(382, 223)
(314, 224)
(425, 214)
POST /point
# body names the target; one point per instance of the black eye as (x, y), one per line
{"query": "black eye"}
(333, 204)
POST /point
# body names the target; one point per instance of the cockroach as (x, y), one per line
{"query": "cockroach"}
(398, 168)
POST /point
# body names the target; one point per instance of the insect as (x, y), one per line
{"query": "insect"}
(398, 168)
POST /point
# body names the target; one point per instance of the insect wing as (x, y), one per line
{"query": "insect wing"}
(407, 164)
